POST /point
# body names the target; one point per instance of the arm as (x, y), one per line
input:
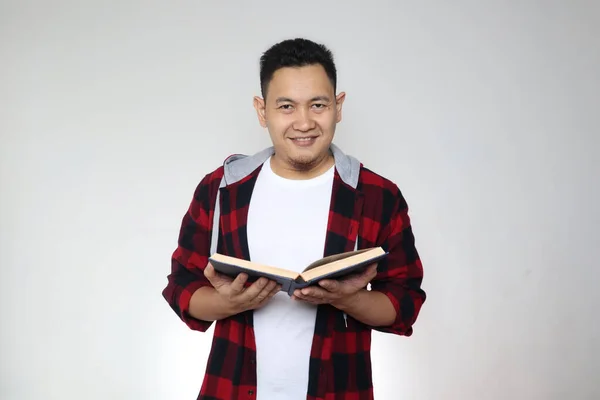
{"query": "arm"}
(393, 303)
(195, 291)
(206, 305)
(191, 256)
(369, 307)
(228, 297)
(400, 274)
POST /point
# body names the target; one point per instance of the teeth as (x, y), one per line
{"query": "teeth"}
(303, 139)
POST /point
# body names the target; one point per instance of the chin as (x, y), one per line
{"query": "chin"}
(304, 158)
(303, 163)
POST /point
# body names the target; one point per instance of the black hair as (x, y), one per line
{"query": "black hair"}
(297, 52)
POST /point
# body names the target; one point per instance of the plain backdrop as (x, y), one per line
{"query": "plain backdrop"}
(485, 113)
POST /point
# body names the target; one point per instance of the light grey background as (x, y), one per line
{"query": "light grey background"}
(485, 113)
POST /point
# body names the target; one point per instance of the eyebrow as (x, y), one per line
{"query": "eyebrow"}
(288, 100)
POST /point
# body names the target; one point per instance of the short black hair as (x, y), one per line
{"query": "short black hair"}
(297, 52)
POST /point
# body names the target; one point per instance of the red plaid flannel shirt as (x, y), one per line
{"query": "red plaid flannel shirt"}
(340, 363)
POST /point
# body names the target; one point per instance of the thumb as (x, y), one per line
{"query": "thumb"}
(329, 285)
(371, 270)
(213, 277)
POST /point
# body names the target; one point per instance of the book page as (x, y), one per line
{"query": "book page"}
(267, 269)
(347, 260)
(333, 258)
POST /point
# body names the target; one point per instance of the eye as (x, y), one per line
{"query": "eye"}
(318, 105)
(285, 107)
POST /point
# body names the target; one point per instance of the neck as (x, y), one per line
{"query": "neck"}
(289, 171)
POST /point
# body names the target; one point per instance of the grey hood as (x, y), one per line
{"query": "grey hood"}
(238, 166)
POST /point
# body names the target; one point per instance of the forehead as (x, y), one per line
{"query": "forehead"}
(300, 82)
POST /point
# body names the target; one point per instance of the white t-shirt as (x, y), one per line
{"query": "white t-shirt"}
(287, 225)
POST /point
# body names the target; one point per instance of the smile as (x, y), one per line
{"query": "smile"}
(304, 141)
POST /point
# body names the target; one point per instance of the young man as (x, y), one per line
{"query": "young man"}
(287, 206)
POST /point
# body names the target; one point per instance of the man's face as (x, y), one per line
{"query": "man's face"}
(301, 112)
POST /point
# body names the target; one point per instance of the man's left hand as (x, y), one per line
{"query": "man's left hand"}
(338, 293)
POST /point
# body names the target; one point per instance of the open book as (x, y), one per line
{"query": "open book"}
(332, 267)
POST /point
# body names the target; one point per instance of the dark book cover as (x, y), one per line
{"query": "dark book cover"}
(289, 285)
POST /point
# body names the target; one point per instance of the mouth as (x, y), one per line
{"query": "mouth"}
(304, 141)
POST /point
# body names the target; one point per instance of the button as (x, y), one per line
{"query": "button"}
(250, 392)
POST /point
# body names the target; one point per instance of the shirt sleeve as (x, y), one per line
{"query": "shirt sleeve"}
(191, 255)
(400, 274)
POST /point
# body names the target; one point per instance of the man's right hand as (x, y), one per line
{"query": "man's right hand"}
(235, 296)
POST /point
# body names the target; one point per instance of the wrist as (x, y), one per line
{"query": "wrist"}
(229, 308)
(349, 302)
(223, 306)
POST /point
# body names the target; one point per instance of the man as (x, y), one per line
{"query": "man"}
(287, 206)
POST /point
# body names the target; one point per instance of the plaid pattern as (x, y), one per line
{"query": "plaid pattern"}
(340, 364)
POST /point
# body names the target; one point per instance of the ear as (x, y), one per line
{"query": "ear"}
(339, 101)
(259, 106)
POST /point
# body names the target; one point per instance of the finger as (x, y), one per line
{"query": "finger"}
(330, 285)
(361, 279)
(273, 292)
(209, 271)
(308, 299)
(254, 289)
(269, 297)
(237, 286)
(211, 275)
(264, 294)
(368, 271)
(372, 272)
(215, 277)
(367, 276)
(317, 293)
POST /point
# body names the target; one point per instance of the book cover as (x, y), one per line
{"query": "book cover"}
(332, 267)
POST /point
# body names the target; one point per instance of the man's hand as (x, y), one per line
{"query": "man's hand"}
(235, 297)
(339, 293)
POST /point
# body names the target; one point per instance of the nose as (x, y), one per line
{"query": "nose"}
(304, 121)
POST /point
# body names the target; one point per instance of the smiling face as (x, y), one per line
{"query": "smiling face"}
(300, 112)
